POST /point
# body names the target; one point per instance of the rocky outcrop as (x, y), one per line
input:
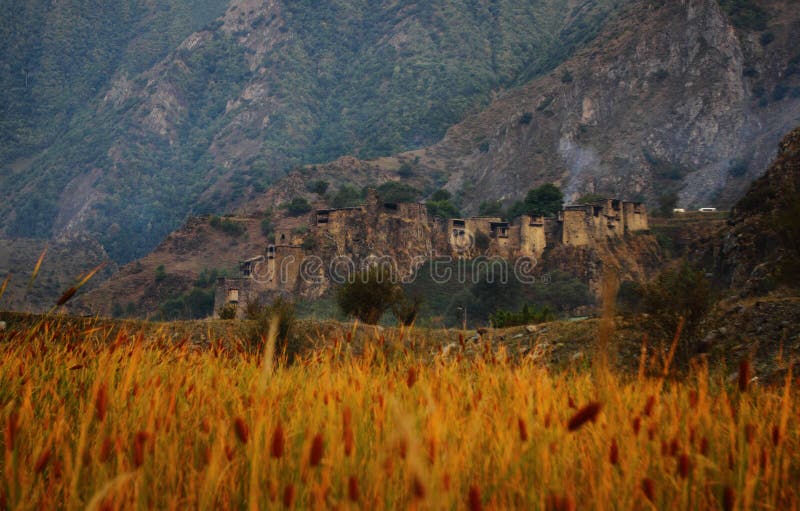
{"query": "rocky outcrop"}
(671, 98)
(759, 248)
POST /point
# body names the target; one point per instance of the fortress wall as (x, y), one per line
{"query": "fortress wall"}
(577, 226)
(532, 238)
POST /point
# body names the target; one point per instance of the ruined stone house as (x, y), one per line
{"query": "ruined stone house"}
(313, 250)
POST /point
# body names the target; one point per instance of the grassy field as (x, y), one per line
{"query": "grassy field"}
(96, 417)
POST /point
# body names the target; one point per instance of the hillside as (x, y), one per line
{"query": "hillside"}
(228, 109)
(678, 103)
(759, 249)
(64, 262)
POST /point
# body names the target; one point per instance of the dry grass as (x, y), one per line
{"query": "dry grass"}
(112, 419)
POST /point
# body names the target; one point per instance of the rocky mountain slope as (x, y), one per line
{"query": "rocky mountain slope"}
(759, 249)
(673, 103)
(65, 262)
(269, 85)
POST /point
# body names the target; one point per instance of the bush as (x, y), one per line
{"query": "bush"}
(406, 170)
(161, 273)
(441, 195)
(398, 192)
(629, 297)
(491, 208)
(566, 76)
(369, 295)
(406, 309)
(298, 206)
(526, 118)
(443, 209)
(227, 311)
(281, 310)
(347, 197)
(319, 187)
(226, 225)
(544, 200)
(528, 315)
(745, 14)
(676, 293)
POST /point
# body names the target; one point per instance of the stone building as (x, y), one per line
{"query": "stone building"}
(610, 218)
(309, 249)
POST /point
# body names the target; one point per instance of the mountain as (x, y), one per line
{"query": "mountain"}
(759, 249)
(128, 140)
(676, 103)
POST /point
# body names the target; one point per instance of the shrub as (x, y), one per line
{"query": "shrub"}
(161, 273)
(398, 192)
(441, 195)
(544, 200)
(529, 314)
(369, 295)
(491, 208)
(347, 197)
(745, 14)
(227, 225)
(298, 206)
(227, 311)
(566, 76)
(319, 187)
(283, 311)
(680, 292)
(589, 198)
(526, 118)
(406, 309)
(629, 297)
(406, 170)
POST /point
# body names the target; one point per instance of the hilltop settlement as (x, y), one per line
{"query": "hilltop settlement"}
(311, 251)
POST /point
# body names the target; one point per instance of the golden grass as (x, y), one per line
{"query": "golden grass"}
(108, 419)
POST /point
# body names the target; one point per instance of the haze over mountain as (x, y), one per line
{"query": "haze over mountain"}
(119, 119)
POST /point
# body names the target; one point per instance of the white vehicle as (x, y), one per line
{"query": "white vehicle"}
(707, 210)
(679, 210)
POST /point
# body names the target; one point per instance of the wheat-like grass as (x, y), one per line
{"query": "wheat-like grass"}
(125, 421)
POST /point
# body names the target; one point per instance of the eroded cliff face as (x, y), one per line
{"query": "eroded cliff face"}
(671, 98)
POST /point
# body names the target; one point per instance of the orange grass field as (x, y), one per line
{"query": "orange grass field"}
(94, 420)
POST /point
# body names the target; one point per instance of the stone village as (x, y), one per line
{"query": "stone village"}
(296, 264)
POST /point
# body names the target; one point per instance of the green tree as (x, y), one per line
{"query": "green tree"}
(369, 295)
(298, 206)
(545, 200)
(440, 205)
(678, 294)
(319, 187)
(392, 191)
(491, 208)
(347, 197)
